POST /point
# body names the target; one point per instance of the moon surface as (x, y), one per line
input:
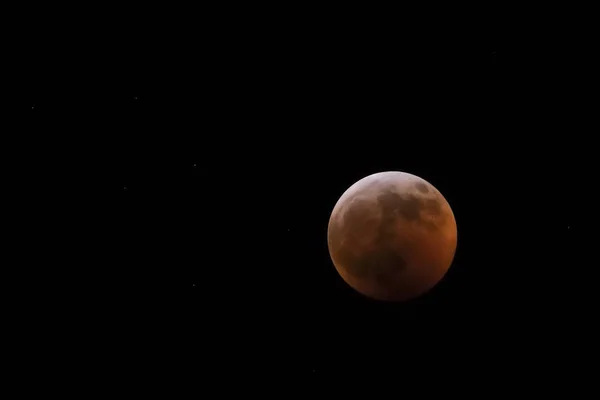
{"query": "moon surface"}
(392, 236)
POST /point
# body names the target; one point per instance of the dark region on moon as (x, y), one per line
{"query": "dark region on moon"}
(421, 187)
(409, 207)
(382, 263)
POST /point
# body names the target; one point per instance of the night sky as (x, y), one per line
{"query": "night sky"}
(231, 156)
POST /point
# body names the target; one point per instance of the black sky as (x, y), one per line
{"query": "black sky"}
(232, 151)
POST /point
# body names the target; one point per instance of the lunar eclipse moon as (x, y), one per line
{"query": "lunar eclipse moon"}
(392, 236)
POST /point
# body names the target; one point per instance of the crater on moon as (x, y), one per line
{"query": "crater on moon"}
(422, 187)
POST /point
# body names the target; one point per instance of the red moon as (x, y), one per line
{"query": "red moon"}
(392, 236)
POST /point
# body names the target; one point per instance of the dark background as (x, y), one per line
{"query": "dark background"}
(235, 139)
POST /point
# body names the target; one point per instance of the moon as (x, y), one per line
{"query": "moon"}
(392, 236)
